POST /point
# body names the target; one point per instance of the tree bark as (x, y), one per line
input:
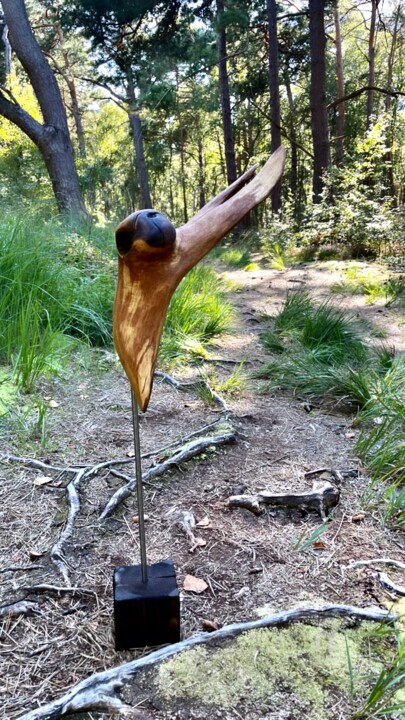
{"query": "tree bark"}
(371, 62)
(69, 79)
(225, 99)
(140, 162)
(388, 102)
(341, 89)
(319, 115)
(293, 137)
(275, 115)
(52, 138)
(201, 186)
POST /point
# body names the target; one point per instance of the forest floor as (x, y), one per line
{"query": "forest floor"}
(252, 565)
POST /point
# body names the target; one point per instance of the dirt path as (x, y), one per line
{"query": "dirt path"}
(248, 562)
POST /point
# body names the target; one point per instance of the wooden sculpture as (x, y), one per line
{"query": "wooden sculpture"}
(154, 257)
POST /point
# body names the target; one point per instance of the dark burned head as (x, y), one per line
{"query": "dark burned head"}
(148, 230)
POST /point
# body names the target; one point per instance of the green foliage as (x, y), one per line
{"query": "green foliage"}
(329, 334)
(48, 293)
(374, 283)
(318, 353)
(235, 257)
(388, 692)
(197, 313)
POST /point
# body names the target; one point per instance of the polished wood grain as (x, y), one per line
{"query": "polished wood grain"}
(153, 258)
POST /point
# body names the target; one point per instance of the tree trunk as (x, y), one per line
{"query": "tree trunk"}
(371, 62)
(341, 89)
(183, 174)
(293, 137)
(319, 113)
(389, 157)
(275, 117)
(52, 138)
(201, 186)
(225, 99)
(70, 82)
(140, 162)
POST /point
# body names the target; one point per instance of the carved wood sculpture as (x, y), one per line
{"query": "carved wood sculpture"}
(154, 257)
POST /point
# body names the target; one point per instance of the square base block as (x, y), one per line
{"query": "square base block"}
(146, 613)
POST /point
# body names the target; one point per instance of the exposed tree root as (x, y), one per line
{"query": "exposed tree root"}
(101, 690)
(186, 452)
(375, 561)
(321, 499)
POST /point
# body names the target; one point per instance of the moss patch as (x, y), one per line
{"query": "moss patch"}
(8, 392)
(300, 666)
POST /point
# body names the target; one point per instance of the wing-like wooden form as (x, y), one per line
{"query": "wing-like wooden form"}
(154, 257)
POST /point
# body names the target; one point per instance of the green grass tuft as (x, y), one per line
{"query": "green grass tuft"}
(197, 313)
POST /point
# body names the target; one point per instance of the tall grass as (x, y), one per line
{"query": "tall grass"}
(56, 286)
(48, 292)
(318, 352)
(197, 313)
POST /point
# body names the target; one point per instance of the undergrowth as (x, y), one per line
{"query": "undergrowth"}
(57, 289)
(318, 352)
(198, 311)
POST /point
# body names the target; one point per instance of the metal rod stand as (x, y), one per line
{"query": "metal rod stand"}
(139, 488)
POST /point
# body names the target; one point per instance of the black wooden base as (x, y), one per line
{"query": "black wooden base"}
(146, 613)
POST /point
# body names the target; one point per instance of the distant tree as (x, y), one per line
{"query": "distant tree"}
(52, 137)
(275, 115)
(319, 113)
(225, 95)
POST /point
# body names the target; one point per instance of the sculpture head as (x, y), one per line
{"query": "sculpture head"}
(153, 257)
(147, 232)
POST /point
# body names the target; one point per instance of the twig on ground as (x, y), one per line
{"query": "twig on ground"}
(321, 499)
(22, 568)
(101, 691)
(185, 520)
(192, 384)
(375, 561)
(187, 452)
(21, 607)
(59, 590)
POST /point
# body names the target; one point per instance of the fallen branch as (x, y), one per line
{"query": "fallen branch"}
(22, 607)
(375, 561)
(101, 691)
(391, 586)
(187, 452)
(321, 499)
(192, 385)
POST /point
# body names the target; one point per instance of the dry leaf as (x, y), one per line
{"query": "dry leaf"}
(200, 542)
(205, 522)
(194, 584)
(35, 554)
(135, 518)
(319, 545)
(42, 480)
(209, 625)
(53, 404)
(359, 517)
